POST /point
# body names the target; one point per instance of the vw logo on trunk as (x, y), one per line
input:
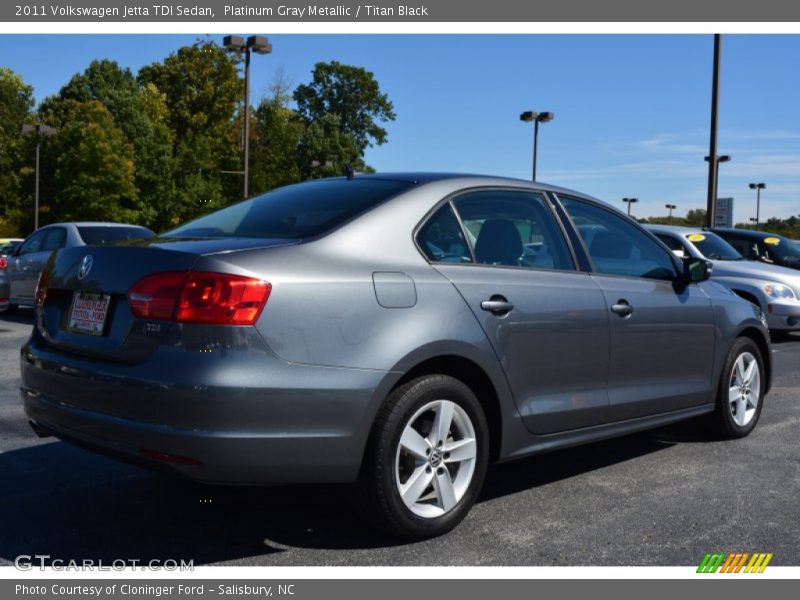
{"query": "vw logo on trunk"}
(86, 266)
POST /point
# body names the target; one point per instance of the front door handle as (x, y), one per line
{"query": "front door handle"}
(497, 305)
(622, 308)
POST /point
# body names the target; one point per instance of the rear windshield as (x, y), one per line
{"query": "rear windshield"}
(298, 211)
(100, 235)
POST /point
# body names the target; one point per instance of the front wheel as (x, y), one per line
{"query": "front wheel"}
(427, 457)
(741, 391)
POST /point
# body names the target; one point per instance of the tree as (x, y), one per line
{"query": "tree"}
(94, 167)
(140, 113)
(696, 217)
(275, 138)
(16, 160)
(353, 95)
(325, 143)
(201, 88)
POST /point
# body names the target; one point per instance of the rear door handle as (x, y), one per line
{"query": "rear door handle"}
(622, 308)
(497, 305)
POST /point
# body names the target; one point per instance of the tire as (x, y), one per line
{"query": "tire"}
(439, 487)
(9, 309)
(737, 412)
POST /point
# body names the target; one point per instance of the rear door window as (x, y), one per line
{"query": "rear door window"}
(34, 243)
(513, 228)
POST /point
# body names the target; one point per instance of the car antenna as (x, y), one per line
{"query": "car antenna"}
(349, 171)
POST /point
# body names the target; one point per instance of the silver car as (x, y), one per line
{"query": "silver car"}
(775, 290)
(25, 263)
(402, 331)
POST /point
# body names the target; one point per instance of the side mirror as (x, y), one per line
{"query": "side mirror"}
(696, 270)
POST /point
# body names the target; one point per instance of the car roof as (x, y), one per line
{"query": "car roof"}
(423, 177)
(677, 229)
(756, 235)
(93, 224)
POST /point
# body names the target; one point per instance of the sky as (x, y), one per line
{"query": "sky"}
(632, 112)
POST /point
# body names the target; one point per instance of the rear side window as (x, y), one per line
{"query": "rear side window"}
(442, 240)
(513, 228)
(55, 239)
(98, 235)
(294, 212)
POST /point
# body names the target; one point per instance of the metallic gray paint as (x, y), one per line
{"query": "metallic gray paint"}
(294, 398)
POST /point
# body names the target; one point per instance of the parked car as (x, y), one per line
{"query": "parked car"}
(762, 246)
(775, 290)
(348, 329)
(26, 262)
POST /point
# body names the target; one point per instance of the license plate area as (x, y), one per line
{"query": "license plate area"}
(88, 312)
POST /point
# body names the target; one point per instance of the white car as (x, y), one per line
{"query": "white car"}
(776, 290)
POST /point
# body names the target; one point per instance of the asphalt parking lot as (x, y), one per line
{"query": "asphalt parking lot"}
(659, 498)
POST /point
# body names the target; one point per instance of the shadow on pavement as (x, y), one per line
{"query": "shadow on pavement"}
(70, 504)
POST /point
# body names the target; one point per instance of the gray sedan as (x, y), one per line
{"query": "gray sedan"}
(775, 290)
(25, 263)
(402, 331)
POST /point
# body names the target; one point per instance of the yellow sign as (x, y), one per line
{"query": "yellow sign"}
(695, 237)
(772, 241)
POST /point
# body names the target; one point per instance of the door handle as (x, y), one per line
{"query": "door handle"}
(622, 308)
(497, 305)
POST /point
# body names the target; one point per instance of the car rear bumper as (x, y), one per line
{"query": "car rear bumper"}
(309, 425)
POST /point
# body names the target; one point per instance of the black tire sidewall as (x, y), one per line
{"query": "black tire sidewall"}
(728, 426)
(401, 406)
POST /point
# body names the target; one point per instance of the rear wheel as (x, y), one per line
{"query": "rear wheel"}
(427, 457)
(9, 308)
(741, 391)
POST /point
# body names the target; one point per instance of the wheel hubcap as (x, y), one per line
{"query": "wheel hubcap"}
(435, 459)
(744, 389)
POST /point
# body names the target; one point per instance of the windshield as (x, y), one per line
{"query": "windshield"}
(295, 212)
(783, 249)
(100, 235)
(713, 247)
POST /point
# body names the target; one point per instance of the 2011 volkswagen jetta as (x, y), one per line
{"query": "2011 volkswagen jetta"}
(403, 331)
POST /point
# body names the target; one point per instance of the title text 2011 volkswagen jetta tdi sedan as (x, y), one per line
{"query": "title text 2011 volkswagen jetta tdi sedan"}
(402, 331)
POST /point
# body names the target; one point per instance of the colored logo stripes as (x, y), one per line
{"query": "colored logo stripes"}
(735, 562)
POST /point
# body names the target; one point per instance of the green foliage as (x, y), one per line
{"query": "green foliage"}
(16, 103)
(94, 172)
(164, 145)
(787, 227)
(353, 95)
(201, 89)
(695, 217)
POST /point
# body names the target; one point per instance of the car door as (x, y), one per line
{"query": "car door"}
(20, 267)
(506, 253)
(662, 334)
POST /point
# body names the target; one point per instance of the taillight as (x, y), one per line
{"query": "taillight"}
(197, 297)
(222, 299)
(155, 296)
(3, 262)
(41, 288)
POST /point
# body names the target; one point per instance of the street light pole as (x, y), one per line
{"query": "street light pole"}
(630, 201)
(758, 187)
(38, 130)
(711, 202)
(720, 159)
(536, 117)
(670, 207)
(260, 45)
